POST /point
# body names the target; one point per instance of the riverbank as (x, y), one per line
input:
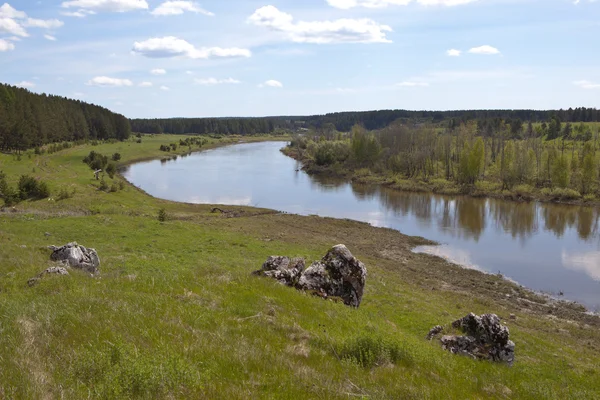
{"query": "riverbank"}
(176, 314)
(519, 193)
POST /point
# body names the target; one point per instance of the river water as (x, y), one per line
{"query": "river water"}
(547, 247)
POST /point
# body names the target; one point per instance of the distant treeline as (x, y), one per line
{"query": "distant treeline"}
(29, 120)
(344, 121)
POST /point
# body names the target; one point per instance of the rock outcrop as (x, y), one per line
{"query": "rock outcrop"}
(76, 256)
(283, 269)
(485, 338)
(49, 271)
(338, 275)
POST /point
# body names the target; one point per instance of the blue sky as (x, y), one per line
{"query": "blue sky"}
(157, 58)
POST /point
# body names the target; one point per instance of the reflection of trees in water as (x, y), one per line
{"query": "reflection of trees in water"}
(404, 203)
(558, 218)
(364, 192)
(520, 219)
(471, 214)
(324, 183)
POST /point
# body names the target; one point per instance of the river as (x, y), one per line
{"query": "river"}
(546, 247)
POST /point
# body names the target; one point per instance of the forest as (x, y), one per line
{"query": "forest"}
(552, 161)
(344, 121)
(29, 120)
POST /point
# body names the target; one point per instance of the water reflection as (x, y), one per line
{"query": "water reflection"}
(547, 247)
(586, 262)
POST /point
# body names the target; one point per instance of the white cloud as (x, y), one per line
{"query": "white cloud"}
(13, 22)
(320, 32)
(43, 23)
(453, 53)
(189, 72)
(214, 81)
(587, 84)
(109, 82)
(106, 5)
(486, 49)
(171, 46)
(165, 88)
(77, 14)
(413, 84)
(5, 45)
(271, 83)
(7, 11)
(158, 71)
(25, 84)
(50, 37)
(12, 27)
(179, 7)
(347, 4)
(145, 84)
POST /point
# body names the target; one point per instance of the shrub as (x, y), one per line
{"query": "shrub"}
(64, 194)
(139, 141)
(368, 352)
(114, 187)
(7, 193)
(121, 185)
(103, 185)
(96, 160)
(116, 157)
(162, 215)
(524, 191)
(111, 170)
(31, 188)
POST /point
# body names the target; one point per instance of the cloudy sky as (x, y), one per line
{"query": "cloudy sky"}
(156, 58)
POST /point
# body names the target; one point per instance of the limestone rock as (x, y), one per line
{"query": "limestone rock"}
(485, 338)
(49, 271)
(76, 256)
(283, 269)
(436, 330)
(338, 274)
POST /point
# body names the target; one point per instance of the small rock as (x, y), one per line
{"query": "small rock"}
(512, 316)
(485, 338)
(47, 234)
(283, 269)
(52, 270)
(76, 256)
(436, 330)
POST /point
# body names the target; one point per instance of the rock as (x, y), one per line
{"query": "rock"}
(52, 270)
(283, 269)
(436, 330)
(485, 338)
(76, 256)
(338, 274)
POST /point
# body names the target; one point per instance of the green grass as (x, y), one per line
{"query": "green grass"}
(176, 314)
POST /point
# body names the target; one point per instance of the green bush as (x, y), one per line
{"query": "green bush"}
(7, 193)
(114, 187)
(111, 170)
(369, 352)
(64, 194)
(96, 160)
(116, 157)
(162, 215)
(31, 188)
(103, 185)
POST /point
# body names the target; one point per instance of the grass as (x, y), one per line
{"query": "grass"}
(176, 314)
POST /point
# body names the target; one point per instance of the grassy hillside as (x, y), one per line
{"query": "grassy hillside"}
(176, 314)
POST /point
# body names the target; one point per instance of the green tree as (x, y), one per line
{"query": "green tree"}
(560, 171)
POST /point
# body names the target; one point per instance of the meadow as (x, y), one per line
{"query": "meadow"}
(175, 312)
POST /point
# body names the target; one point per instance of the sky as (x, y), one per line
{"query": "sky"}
(218, 58)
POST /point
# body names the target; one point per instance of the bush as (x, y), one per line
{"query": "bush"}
(368, 352)
(121, 185)
(111, 170)
(116, 157)
(114, 187)
(8, 194)
(65, 194)
(96, 160)
(103, 185)
(524, 191)
(31, 188)
(162, 215)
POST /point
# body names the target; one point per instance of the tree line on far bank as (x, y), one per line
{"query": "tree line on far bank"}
(554, 159)
(344, 121)
(29, 120)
